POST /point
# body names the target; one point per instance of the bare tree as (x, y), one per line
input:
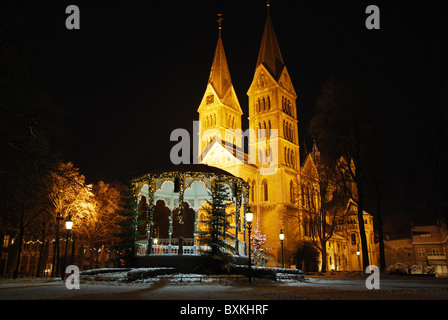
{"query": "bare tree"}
(340, 126)
(322, 208)
(29, 131)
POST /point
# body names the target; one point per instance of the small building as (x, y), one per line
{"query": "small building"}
(429, 244)
(399, 251)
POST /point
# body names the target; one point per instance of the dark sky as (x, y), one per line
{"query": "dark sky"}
(136, 71)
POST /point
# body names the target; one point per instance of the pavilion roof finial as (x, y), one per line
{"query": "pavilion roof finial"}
(220, 19)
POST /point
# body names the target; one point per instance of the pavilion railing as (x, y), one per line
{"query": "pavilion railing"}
(166, 247)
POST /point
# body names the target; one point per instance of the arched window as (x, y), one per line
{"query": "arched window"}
(353, 238)
(291, 192)
(290, 132)
(308, 198)
(264, 127)
(316, 198)
(312, 199)
(284, 129)
(303, 196)
(265, 191)
(253, 191)
(305, 227)
(290, 157)
(264, 104)
(293, 159)
(268, 132)
(269, 103)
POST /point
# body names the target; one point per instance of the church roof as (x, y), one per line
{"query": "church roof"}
(220, 74)
(269, 54)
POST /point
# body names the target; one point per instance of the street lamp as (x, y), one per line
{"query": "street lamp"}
(68, 226)
(359, 263)
(249, 218)
(155, 241)
(281, 236)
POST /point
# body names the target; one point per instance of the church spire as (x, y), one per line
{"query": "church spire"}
(269, 54)
(220, 74)
(315, 153)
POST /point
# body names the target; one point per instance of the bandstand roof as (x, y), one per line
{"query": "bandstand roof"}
(183, 168)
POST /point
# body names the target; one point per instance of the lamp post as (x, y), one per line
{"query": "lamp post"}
(56, 248)
(359, 263)
(68, 226)
(155, 241)
(249, 218)
(281, 236)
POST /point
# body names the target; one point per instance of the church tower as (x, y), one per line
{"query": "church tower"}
(272, 105)
(219, 111)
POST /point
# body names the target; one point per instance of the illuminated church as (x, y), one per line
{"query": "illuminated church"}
(261, 167)
(282, 190)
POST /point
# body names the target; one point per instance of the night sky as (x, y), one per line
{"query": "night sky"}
(136, 71)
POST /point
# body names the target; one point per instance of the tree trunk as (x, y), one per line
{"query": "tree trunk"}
(20, 227)
(41, 252)
(380, 229)
(362, 229)
(57, 268)
(324, 256)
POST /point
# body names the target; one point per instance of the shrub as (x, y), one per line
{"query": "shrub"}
(143, 273)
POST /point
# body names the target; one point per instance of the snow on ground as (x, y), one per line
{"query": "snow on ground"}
(199, 287)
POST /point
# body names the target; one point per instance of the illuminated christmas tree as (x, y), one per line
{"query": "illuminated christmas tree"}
(258, 252)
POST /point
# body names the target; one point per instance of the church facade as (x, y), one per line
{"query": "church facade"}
(267, 157)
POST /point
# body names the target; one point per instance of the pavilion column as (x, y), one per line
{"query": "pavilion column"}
(170, 231)
(180, 214)
(237, 216)
(244, 231)
(245, 195)
(195, 230)
(150, 214)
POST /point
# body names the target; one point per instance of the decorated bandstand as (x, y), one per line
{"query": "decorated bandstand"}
(171, 204)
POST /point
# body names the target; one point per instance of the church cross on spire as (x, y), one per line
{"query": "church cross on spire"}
(220, 19)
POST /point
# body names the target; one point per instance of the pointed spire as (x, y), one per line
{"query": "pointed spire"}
(315, 153)
(270, 55)
(220, 74)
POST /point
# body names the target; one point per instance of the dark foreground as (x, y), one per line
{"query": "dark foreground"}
(176, 288)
